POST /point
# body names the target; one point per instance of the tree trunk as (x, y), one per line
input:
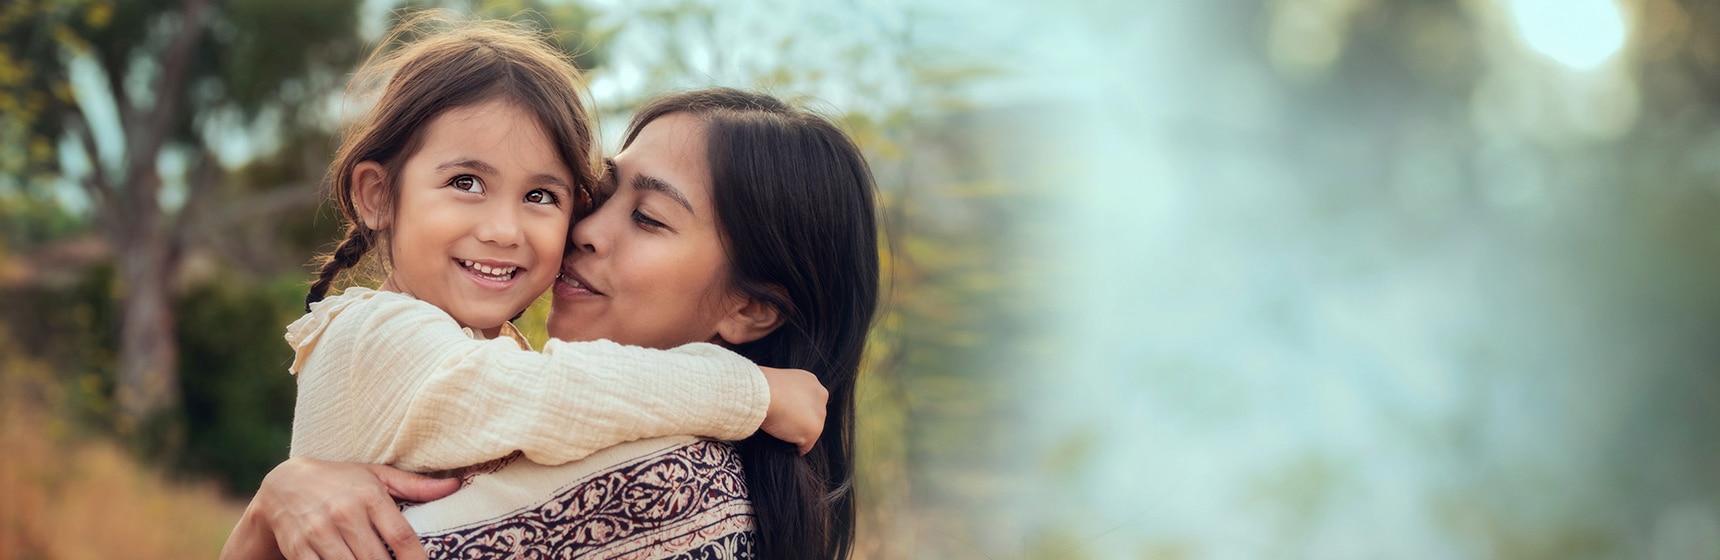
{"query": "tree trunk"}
(148, 257)
(148, 352)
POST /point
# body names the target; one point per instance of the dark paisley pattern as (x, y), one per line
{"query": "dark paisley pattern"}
(688, 502)
(735, 545)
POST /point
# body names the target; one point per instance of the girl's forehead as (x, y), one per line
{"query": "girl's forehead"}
(496, 133)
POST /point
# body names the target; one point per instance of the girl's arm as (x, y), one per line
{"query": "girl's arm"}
(395, 380)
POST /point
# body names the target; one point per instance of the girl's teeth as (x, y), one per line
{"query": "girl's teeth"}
(490, 271)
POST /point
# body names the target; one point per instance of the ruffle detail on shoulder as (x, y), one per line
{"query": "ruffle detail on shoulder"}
(303, 334)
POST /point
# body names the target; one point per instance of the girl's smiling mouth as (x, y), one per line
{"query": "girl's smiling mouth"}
(490, 274)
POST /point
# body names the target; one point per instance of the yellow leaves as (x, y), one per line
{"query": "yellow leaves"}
(41, 149)
(1073, 452)
(91, 500)
(68, 38)
(503, 8)
(872, 137)
(63, 92)
(98, 14)
(13, 71)
(13, 12)
(976, 189)
(534, 321)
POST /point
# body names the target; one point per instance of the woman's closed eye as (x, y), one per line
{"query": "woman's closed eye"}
(467, 183)
(646, 221)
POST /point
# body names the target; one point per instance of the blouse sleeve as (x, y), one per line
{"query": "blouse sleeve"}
(415, 391)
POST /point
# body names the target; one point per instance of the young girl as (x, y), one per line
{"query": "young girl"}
(464, 176)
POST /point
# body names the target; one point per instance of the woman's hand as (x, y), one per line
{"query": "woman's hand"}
(797, 406)
(310, 509)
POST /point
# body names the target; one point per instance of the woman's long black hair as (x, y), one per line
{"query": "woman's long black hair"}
(795, 205)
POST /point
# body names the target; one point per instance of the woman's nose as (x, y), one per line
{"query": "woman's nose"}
(585, 234)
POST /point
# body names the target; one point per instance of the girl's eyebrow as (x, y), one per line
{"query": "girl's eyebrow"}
(482, 167)
(468, 164)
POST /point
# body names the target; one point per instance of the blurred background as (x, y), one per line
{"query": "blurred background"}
(1167, 279)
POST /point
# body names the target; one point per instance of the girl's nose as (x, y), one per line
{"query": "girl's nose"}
(501, 227)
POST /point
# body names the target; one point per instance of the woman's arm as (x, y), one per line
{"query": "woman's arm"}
(307, 508)
(395, 380)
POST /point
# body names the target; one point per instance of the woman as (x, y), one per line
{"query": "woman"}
(731, 217)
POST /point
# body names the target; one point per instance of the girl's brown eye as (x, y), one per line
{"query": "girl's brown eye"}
(541, 196)
(467, 183)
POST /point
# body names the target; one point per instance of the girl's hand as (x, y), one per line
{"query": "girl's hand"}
(797, 407)
(310, 509)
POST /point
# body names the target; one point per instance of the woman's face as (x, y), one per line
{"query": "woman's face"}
(648, 268)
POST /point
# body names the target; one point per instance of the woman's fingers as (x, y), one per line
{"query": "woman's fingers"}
(318, 510)
(328, 545)
(356, 529)
(392, 527)
(389, 524)
(413, 487)
(317, 526)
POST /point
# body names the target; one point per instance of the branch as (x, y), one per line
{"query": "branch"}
(253, 208)
(200, 183)
(121, 101)
(96, 185)
(153, 127)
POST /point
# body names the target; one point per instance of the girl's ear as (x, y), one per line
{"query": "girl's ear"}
(749, 319)
(370, 195)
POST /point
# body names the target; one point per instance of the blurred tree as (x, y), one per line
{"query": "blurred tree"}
(173, 81)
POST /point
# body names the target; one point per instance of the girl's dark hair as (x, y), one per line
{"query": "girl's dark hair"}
(430, 63)
(794, 204)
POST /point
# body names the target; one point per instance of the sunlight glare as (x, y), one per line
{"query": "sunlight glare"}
(1580, 34)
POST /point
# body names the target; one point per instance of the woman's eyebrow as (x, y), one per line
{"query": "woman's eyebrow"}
(648, 183)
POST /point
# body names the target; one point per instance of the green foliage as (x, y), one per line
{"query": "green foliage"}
(241, 68)
(570, 25)
(73, 329)
(237, 410)
(253, 70)
(35, 90)
(27, 220)
(238, 396)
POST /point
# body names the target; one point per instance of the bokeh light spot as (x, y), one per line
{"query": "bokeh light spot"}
(1580, 34)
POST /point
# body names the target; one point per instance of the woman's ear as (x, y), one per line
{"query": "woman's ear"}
(370, 195)
(749, 319)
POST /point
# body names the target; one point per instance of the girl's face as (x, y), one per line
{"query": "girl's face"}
(481, 218)
(648, 268)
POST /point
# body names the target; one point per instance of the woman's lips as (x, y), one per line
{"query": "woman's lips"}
(569, 284)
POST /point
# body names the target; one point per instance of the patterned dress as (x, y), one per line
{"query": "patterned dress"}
(673, 497)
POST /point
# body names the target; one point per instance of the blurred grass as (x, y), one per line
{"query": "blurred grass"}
(64, 496)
